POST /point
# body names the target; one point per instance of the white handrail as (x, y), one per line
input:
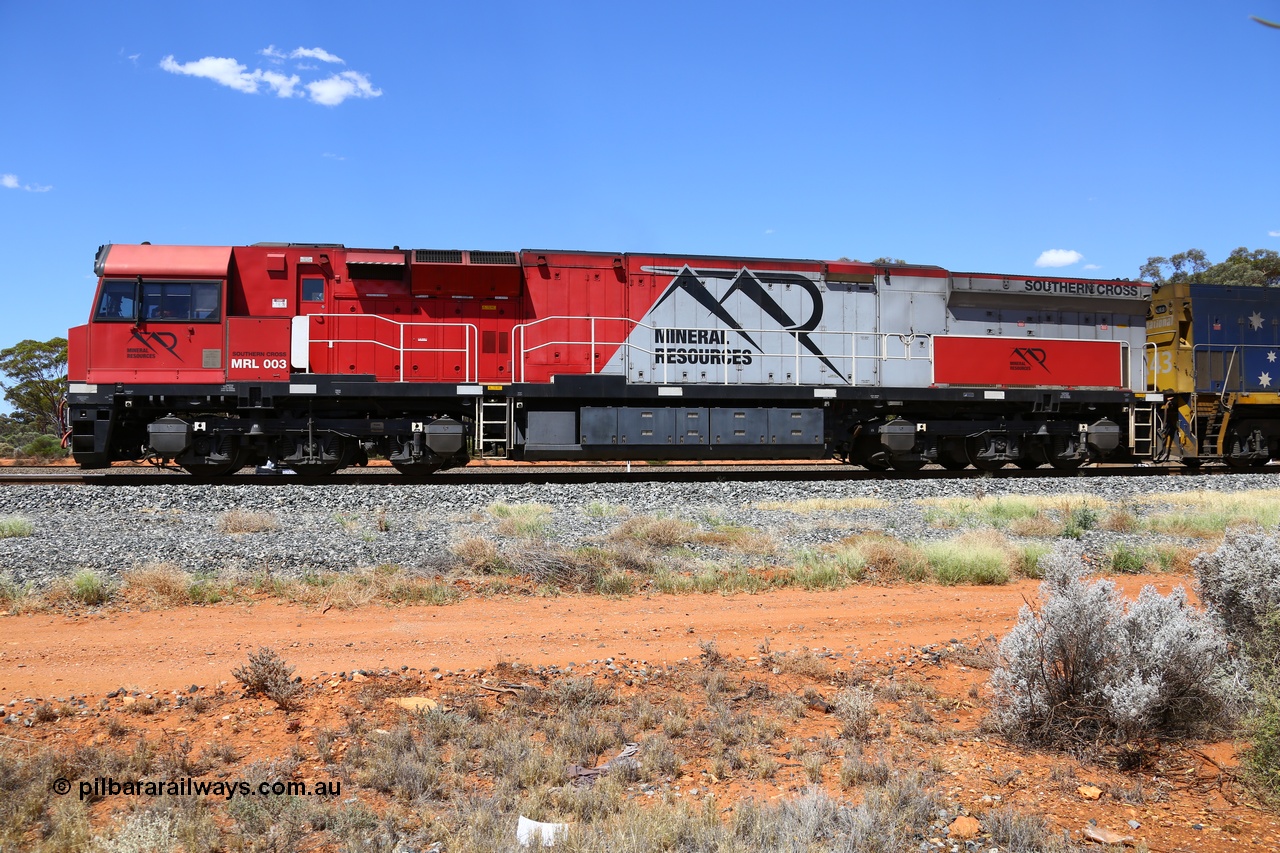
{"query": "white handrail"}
(470, 348)
(520, 348)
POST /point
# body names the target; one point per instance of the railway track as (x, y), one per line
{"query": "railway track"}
(513, 474)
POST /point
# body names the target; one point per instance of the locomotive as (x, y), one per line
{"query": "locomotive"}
(314, 356)
(1215, 358)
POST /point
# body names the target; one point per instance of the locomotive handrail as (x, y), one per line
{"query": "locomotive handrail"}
(1238, 352)
(470, 348)
(1150, 369)
(520, 349)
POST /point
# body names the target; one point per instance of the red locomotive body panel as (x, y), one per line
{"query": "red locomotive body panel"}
(574, 313)
(258, 349)
(1027, 362)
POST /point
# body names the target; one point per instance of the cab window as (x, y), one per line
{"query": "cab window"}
(118, 302)
(313, 290)
(181, 301)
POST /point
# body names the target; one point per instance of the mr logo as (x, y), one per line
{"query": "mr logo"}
(168, 340)
(748, 283)
(1023, 357)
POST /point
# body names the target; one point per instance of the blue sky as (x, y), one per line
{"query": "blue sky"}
(976, 136)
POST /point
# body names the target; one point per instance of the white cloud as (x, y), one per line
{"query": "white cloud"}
(334, 90)
(1273, 233)
(1059, 258)
(229, 72)
(11, 182)
(220, 69)
(315, 53)
(1092, 267)
(331, 156)
(282, 85)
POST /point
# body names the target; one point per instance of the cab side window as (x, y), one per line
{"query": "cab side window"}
(181, 301)
(313, 290)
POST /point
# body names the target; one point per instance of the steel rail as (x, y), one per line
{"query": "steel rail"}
(614, 473)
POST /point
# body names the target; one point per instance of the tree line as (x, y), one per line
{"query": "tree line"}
(35, 372)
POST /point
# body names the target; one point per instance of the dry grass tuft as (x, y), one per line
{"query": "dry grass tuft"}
(14, 526)
(521, 520)
(888, 559)
(387, 583)
(160, 583)
(660, 532)
(245, 521)
(976, 557)
(744, 540)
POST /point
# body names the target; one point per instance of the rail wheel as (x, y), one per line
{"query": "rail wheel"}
(973, 447)
(1244, 464)
(952, 456)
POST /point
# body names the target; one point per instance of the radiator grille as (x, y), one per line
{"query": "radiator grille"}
(504, 258)
(437, 256)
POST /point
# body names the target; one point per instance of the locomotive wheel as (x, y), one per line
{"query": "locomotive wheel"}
(1244, 464)
(875, 465)
(952, 458)
(207, 471)
(972, 447)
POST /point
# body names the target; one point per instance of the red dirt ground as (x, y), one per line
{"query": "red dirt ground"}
(51, 657)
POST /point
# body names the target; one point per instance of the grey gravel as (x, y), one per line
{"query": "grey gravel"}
(336, 528)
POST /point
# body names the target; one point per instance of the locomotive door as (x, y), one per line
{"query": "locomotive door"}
(310, 349)
(489, 345)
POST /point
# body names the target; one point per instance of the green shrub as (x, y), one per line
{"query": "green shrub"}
(43, 448)
(1079, 519)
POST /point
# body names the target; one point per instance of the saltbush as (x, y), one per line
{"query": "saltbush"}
(1087, 668)
(1240, 585)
